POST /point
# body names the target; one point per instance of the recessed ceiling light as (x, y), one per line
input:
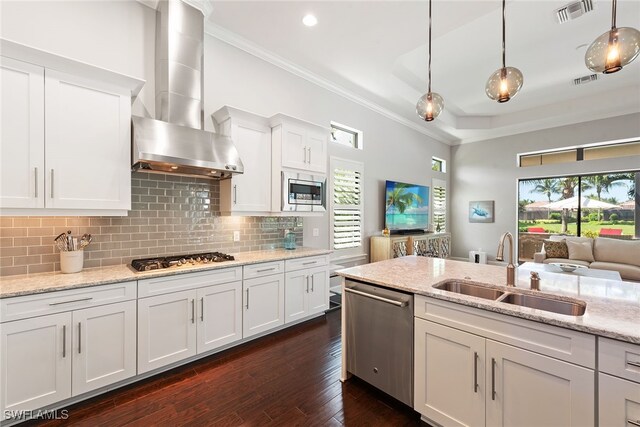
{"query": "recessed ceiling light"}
(309, 20)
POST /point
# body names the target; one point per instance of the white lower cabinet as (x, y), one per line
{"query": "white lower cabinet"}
(219, 316)
(462, 379)
(306, 293)
(263, 301)
(619, 402)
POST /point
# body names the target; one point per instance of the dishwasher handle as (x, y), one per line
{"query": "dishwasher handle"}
(378, 298)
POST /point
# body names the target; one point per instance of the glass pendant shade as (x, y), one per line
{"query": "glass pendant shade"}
(613, 50)
(429, 106)
(504, 84)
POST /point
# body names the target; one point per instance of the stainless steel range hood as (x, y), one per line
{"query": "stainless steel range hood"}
(176, 142)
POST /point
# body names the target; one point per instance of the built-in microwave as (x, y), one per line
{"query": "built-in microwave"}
(303, 193)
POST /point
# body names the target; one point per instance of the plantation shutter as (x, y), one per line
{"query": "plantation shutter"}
(439, 205)
(347, 205)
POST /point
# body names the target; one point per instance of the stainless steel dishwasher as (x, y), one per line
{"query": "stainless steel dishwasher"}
(379, 328)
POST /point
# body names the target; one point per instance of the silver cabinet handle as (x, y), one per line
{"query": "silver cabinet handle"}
(306, 278)
(79, 337)
(634, 422)
(311, 283)
(69, 302)
(309, 154)
(235, 194)
(193, 311)
(247, 306)
(64, 341)
(35, 173)
(309, 263)
(378, 298)
(493, 379)
(52, 183)
(636, 364)
(202, 309)
(475, 371)
(265, 269)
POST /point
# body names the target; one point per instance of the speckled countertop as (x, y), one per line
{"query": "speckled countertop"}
(613, 307)
(27, 284)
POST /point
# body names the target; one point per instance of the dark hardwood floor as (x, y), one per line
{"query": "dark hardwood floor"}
(288, 378)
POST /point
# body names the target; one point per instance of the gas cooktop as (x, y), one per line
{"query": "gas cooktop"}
(159, 263)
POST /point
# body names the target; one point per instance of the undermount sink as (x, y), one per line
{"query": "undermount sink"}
(470, 289)
(569, 308)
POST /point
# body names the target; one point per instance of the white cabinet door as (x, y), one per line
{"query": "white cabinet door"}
(21, 135)
(295, 149)
(296, 295)
(318, 296)
(219, 315)
(449, 375)
(619, 404)
(35, 362)
(104, 346)
(88, 134)
(317, 154)
(166, 329)
(528, 389)
(263, 301)
(251, 190)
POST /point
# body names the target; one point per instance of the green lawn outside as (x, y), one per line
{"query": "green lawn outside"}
(587, 226)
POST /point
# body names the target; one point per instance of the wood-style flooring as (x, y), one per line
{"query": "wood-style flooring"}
(285, 379)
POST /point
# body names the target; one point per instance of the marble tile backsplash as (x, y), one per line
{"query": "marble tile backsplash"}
(170, 215)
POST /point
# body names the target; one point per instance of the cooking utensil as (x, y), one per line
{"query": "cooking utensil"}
(61, 242)
(85, 240)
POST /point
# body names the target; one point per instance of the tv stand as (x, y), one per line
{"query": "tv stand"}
(435, 245)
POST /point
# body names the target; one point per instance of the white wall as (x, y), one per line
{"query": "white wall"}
(119, 35)
(488, 170)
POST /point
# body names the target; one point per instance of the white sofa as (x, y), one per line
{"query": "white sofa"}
(618, 255)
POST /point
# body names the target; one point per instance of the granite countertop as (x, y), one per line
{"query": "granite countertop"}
(613, 307)
(27, 284)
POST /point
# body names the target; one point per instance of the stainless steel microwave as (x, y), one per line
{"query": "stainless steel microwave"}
(303, 193)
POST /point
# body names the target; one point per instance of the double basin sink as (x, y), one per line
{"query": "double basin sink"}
(539, 302)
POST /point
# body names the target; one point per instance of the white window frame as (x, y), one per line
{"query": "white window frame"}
(439, 183)
(443, 162)
(359, 141)
(334, 163)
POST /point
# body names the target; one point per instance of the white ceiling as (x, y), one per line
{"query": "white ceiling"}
(376, 52)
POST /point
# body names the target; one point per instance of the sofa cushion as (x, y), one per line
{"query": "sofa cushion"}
(560, 237)
(617, 251)
(555, 249)
(627, 272)
(582, 251)
(567, 261)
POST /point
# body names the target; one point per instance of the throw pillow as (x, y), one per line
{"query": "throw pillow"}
(556, 249)
(582, 251)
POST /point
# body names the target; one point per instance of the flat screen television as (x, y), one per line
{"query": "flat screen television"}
(406, 207)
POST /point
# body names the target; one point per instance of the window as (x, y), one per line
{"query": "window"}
(438, 165)
(439, 205)
(347, 206)
(345, 135)
(593, 152)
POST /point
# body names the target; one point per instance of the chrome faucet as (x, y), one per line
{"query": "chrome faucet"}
(511, 269)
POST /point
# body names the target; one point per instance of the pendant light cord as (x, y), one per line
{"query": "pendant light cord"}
(504, 55)
(613, 14)
(429, 89)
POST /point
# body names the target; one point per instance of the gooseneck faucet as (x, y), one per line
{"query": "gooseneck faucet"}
(511, 269)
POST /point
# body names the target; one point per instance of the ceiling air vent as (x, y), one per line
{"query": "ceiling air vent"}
(585, 79)
(573, 10)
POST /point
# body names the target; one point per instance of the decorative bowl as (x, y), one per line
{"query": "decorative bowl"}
(568, 268)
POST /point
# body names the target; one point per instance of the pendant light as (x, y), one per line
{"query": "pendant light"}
(613, 49)
(430, 105)
(505, 83)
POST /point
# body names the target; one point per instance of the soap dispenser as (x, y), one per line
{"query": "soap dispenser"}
(289, 239)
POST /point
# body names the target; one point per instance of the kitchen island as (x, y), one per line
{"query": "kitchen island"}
(480, 361)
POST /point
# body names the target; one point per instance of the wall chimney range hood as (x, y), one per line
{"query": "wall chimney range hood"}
(176, 142)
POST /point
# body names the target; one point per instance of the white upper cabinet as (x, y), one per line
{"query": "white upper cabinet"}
(249, 192)
(65, 139)
(21, 135)
(299, 144)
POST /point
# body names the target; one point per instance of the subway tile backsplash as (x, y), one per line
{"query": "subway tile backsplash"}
(170, 215)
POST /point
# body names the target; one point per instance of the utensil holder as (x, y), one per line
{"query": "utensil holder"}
(71, 261)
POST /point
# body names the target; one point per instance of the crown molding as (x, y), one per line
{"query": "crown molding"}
(245, 45)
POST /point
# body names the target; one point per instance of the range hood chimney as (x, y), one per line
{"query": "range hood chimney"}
(176, 142)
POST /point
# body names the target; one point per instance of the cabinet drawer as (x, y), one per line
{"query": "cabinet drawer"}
(60, 301)
(306, 262)
(263, 269)
(619, 358)
(564, 344)
(182, 282)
